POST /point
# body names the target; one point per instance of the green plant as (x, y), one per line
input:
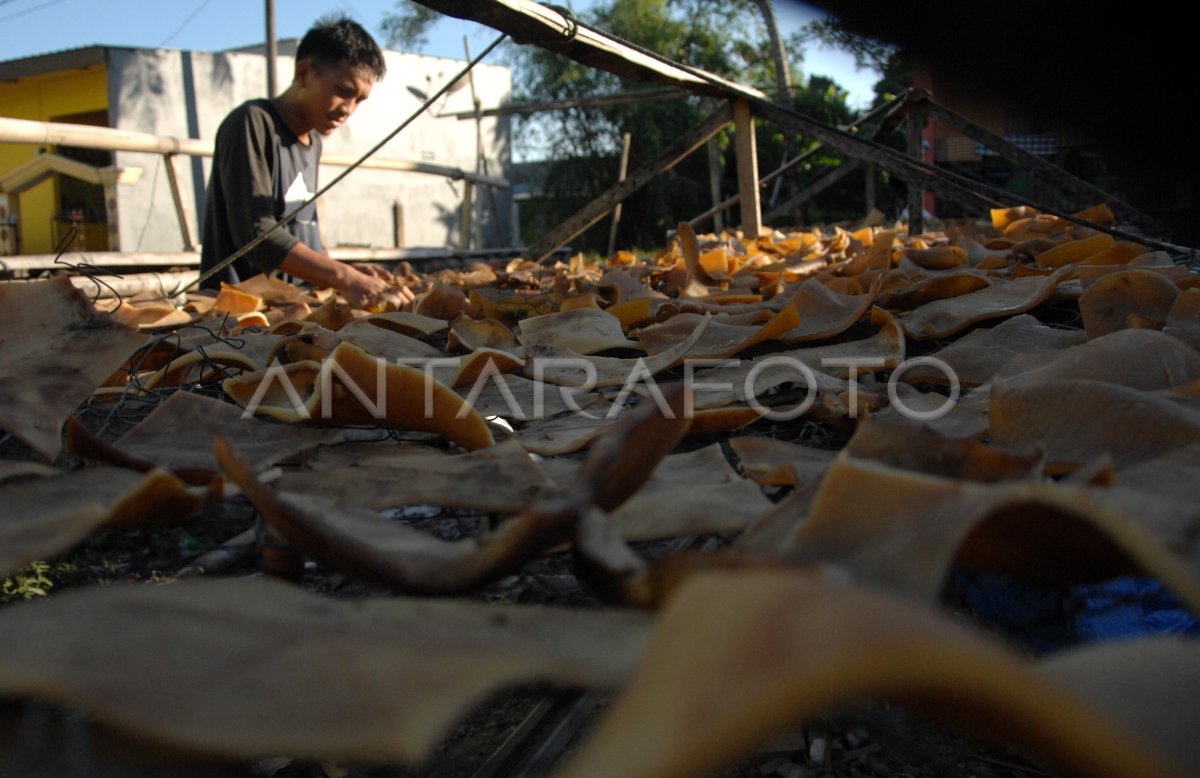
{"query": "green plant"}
(28, 583)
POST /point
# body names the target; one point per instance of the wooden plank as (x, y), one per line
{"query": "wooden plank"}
(1088, 193)
(546, 26)
(914, 132)
(814, 189)
(622, 170)
(746, 153)
(596, 209)
(187, 228)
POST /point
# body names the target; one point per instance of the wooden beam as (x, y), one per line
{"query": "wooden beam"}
(595, 210)
(418, 167)
(955, 188)
(187, 229)
(546, 26)
(815, 188)
(746, 152)
(1088, 194)
(108, 139)
(599, 101)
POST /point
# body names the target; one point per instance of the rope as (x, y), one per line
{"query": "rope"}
(258, 240)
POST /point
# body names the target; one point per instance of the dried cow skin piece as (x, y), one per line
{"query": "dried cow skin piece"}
(1109, 302)
(932, 286)
(1138, 684)
(500, 479)
(824, 312)
(469, 334)
(977, 356)
(353, 387)
(50, 515)
(775, 462)
(406, 323)
(688, 494)
(55, 349)
(11, 468)
(565, 368)
(910, 445)
(942, 318)
(362, 544)
(178, 435)
(366, 680)
(902, 531)
(719, 339)
(1077, 421)
(386, 342)
(583, 331)
(516, 397)
(1139, 359)
(789, 647)
(1183, 320)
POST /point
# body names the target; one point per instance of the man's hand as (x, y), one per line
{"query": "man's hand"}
(370, 290)
(379, 271)
(361, 289)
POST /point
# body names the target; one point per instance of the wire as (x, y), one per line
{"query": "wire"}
(185, 22)
(30, 10)
(244, 250)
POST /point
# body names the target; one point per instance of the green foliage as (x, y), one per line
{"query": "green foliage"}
(408, 26)
(28, 583)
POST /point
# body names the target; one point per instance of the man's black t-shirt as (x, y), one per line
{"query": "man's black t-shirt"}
(261, 171)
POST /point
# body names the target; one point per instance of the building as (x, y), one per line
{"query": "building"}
(123, 201)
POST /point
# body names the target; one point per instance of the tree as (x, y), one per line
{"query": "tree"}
(728, 37)
(407, 27)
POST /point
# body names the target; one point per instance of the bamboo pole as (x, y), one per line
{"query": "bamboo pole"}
(109, 139)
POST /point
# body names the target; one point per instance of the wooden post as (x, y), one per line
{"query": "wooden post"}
(272, 49)
(714, 185)
(595, 210)
(626, 139)
(870, 187)
(747, 163)
(187, 229)
(464, 219)
(915, 131)
(398, 224)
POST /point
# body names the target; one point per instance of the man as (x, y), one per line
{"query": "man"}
(265, 165)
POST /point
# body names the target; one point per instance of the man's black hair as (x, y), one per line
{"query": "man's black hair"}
(333, 39)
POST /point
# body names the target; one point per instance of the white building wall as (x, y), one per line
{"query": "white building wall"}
(188, 94)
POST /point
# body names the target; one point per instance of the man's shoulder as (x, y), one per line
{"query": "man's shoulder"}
(258, 113)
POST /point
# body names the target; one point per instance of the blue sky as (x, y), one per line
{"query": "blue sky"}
(29, 27)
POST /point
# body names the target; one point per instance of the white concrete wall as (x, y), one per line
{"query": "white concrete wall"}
(187, 94)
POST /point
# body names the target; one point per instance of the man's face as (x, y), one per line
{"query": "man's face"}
(332, 92)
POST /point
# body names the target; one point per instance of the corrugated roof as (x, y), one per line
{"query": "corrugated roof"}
(67, 59)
